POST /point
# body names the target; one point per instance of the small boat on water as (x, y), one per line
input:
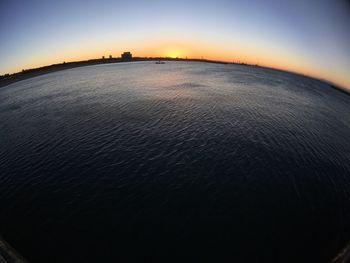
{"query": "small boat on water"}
(160, 62)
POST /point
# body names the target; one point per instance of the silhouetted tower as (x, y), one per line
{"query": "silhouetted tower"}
(126, 56)
(110, 56)
(103, 57)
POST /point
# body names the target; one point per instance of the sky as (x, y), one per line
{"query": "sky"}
(309, 37)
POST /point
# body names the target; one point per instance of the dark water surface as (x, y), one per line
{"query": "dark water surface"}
(182, 161)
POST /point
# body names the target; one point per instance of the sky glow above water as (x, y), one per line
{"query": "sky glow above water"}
(308, 37)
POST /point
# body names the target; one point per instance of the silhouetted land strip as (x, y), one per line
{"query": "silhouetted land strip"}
(29, 73)
(8, 79)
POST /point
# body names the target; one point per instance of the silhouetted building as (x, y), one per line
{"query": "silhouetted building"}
(126, 56)
(110, 57)
(103, 57)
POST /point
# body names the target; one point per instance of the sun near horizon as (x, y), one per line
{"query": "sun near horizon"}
(309, 38)
(125, 137)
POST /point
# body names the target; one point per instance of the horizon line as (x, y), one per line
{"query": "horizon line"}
(145, 58)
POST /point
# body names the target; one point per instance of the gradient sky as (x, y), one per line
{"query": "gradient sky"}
(310, 37)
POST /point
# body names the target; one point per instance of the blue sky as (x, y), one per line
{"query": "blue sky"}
(311, 37)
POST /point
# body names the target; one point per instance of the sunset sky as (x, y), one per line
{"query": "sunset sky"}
(310, 37)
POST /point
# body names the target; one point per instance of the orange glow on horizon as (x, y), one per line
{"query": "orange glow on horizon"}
(190, 49)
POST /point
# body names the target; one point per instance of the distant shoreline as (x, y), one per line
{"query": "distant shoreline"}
(8, 79)
(30, 73)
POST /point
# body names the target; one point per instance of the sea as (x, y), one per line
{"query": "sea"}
(181, 162)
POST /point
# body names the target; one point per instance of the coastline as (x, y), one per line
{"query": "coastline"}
(30, 73)
(8, 79)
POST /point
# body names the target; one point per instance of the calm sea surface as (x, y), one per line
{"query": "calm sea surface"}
(182, 161)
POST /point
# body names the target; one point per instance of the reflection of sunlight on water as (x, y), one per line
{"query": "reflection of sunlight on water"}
(179, 145)
(176, 91)
(167, 83)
